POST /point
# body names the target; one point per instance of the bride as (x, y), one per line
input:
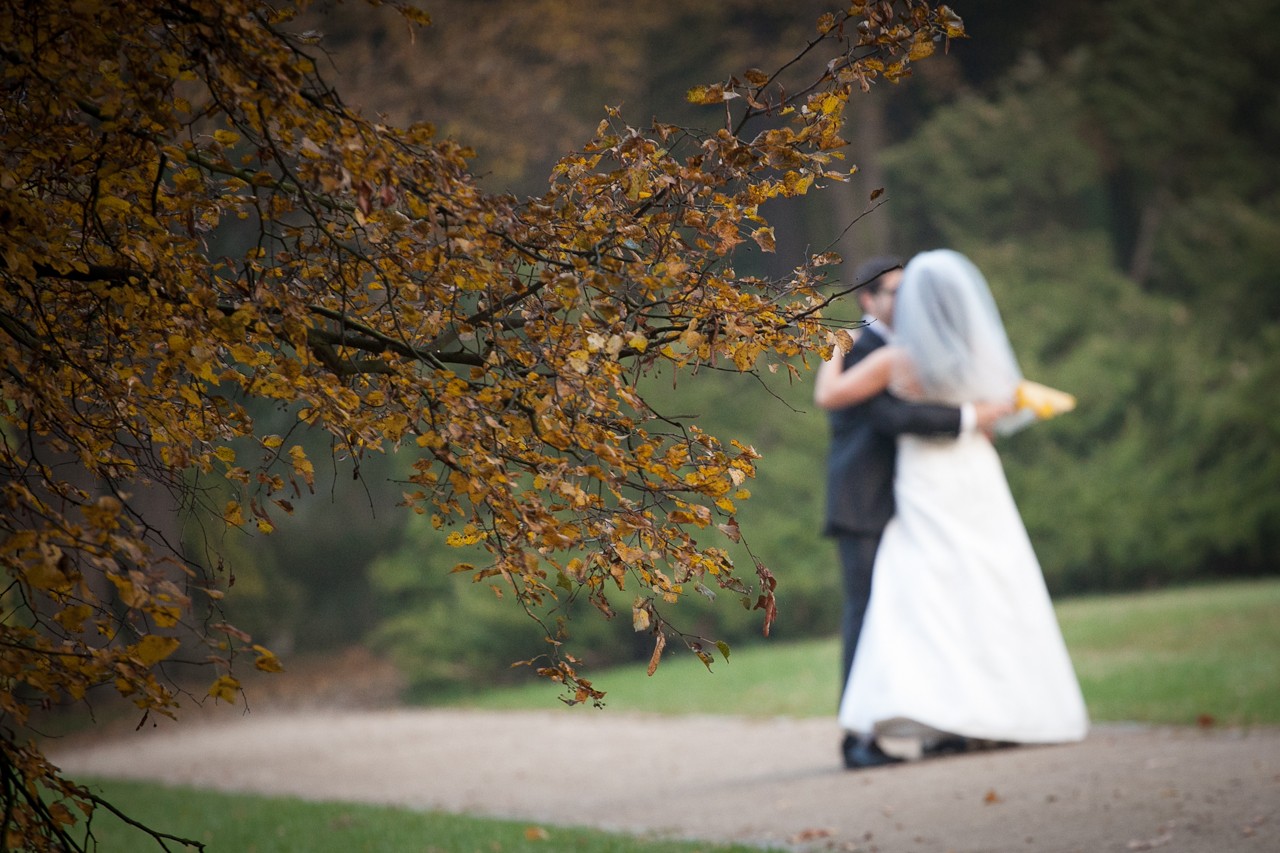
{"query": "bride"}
(960, 637)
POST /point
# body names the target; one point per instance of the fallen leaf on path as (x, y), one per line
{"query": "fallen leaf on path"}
(1150, 843)
(1250, 829)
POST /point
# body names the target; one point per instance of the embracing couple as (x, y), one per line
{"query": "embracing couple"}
(948, 631)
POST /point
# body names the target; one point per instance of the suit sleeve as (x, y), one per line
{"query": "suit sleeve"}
(892, 415)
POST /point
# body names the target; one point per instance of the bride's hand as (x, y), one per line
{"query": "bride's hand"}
(988, 412)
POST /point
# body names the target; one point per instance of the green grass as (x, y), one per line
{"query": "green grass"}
(1199, 654)
(1174, 656)
(236, 823)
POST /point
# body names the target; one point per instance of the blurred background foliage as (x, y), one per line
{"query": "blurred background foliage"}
(1113, 169)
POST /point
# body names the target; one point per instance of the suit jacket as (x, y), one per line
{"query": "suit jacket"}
(863, 451)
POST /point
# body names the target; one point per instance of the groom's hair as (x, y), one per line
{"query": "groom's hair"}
(869, 275)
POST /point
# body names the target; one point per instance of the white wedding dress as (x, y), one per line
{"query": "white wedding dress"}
(960, 636)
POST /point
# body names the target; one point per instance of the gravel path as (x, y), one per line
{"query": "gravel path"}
(757, 781)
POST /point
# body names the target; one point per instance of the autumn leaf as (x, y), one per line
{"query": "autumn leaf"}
(659, 643)
(764, 239)
(953, 25)
(61, 814)
(266, 660)
(153, 648)
(45, 573)
(233, 514)
(302, 465)
(841, 341)
(920, 48)
(640, 618)
(225, 688)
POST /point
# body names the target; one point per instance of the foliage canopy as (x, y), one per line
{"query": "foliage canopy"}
(195, 225)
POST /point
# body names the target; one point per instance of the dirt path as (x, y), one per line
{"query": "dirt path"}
(768, 782)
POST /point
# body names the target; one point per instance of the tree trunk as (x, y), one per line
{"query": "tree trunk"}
(1144, 246)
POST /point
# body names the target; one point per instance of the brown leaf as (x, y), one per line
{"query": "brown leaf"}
(809, 835)
(659, 644)
(764, 239)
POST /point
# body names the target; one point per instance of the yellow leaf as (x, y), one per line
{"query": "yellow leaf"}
(954, 25)
(152, 648)
(920, 48)
(112, 203)
(166, 616)
(267, 661)
(225, 688)
(301, 464)
(47, 573)
(226, 137)
(639, 616)
(226, 454)
(469, 535)
(692, 338)
(699, 95)
(73, 618)
(129, 592)
(103, 512)
(233, 514)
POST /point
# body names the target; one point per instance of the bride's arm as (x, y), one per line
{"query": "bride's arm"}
(837, 388)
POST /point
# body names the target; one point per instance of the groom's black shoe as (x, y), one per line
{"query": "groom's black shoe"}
(859, 755)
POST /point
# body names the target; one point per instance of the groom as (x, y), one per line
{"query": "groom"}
(860, 467)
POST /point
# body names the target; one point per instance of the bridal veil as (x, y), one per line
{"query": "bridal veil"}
(948, 323)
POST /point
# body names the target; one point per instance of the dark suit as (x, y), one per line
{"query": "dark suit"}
(860, 482)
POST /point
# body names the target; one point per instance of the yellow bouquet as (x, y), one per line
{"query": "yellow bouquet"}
(1035, 402)
(1044, 401)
